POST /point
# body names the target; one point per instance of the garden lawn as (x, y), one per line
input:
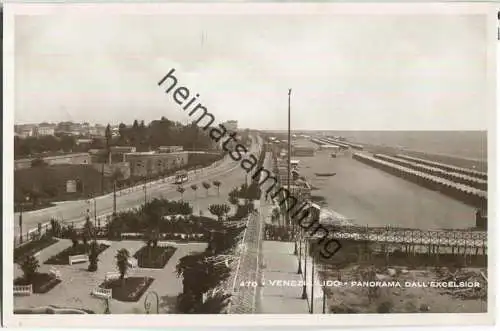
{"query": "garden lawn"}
(33, 247)
(42, 282)
(154, 257)
(128, 290)
(62, 258)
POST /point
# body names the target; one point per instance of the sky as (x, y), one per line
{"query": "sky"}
(363, 72)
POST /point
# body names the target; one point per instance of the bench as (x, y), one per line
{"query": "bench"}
(78, 259)
(132, 262)
(102, 293)
(131, 235)
(111, 276)
(23, 289)
(54, 272)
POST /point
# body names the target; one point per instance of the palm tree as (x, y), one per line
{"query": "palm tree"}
(233, 196)
(217, 184)
(181, 190)
(74, 236)
(207, 186)
(93, 255)
(219, 210)
(194, 187)
(29, 266)
(122, 257)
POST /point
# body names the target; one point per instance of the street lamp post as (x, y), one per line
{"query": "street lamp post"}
(324, 299)
(312, 284)
(299, 271)
(145, 192)
(304, 288)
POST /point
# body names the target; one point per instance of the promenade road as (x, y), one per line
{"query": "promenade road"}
(227, 171)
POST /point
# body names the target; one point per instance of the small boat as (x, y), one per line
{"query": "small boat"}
(334, 155)
(325, 174)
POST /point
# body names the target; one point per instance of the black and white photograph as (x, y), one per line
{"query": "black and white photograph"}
(280, 160)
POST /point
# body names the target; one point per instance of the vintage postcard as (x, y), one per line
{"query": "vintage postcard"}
(312, 164)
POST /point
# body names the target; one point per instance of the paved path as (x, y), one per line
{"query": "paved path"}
(74, 291)
(281, 265)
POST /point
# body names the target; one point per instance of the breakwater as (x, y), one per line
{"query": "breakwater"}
(469, 195)
(448, 167)
(452, 176)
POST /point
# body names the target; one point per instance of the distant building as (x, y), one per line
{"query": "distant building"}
(151, 163)
(117, 153)
(25, 130)
(330, 147)
(76, 158)
(170, 149)
(303, 151)
(45, 130)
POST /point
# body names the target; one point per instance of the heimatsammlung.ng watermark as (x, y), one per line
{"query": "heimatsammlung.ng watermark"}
(249, 162)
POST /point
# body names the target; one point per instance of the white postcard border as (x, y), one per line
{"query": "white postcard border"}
(11, 9)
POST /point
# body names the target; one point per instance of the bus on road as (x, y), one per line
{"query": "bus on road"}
(181, 177)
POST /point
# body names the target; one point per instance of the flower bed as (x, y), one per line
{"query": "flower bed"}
(62, 258)
(154, 257)
(128, 290)
(42, 282)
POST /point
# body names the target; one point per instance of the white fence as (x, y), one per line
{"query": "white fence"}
(23, 289)
(78, 259)
(102, 293)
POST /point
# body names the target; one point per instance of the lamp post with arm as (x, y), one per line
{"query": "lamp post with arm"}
(304, 287)
(27, 198)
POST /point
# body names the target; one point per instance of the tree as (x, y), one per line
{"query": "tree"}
(88, 231)
(93, 255)
(219, 210)
(196, 267)
(108, 135)
(206, 186)
(55, 228)
(233, 196)
(73, 235)
(29, 266)
(217, 184)
(181, 190)
(122, 257)
(194, 187)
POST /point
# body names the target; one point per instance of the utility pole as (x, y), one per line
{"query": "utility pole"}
(95, 211)
(289, 169)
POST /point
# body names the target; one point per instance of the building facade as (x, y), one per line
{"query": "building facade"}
(150, 163)
(77, 158)
(45, 130)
